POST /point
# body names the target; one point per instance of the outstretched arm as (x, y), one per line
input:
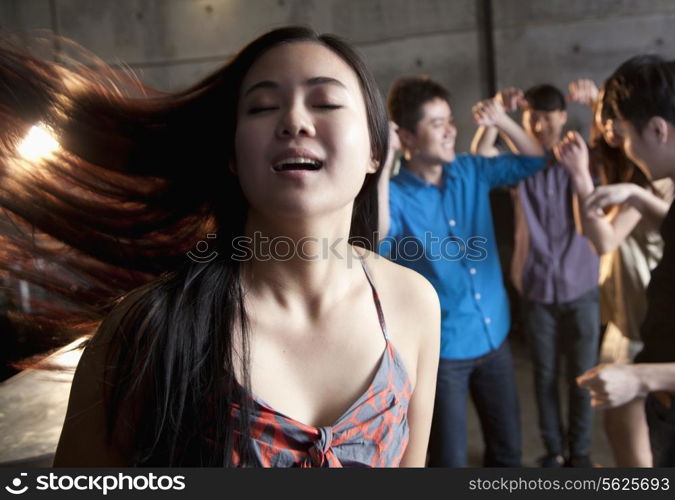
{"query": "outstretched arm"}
(483, 142)
(616, 384)
(491, 113)
(641, 199)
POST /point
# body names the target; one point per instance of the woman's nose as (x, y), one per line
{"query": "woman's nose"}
(295, 121)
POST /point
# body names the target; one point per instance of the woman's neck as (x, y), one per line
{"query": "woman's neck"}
(299, 263)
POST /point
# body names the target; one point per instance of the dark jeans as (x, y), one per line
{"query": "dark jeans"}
(571, 329)
(661, 421)
(491, 381)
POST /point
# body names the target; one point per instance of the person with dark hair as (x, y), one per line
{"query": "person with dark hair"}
(555, 270)
(544, 97)
(628, 239)
(254, 356)
(436, 217)
(641, 93)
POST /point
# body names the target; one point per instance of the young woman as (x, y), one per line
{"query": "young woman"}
(291, 346)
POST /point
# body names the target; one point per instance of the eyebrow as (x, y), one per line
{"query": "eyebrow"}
(311, 82)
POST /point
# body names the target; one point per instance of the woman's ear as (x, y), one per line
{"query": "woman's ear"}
(659, 129)
(373, 165)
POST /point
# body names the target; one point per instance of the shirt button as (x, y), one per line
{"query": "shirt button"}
(472, 270)
(477, 296)
(488, 321)
(452, 222)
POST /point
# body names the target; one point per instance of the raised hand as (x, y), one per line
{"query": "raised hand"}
(510, 98)
(488, 113)
(572, 153)
(583, 91)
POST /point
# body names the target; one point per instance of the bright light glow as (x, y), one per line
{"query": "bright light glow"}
(38, 143)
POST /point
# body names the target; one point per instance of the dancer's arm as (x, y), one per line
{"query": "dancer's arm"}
(83, 441)
(641, 199)
(491, 113)
(383, 183)
(616, 384)
(420, 410)
(606, 233)
(483, 142)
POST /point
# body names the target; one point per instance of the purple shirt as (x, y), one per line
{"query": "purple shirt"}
(552, 262)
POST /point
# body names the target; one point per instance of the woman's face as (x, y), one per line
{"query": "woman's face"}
(606, 127)
(302, 143)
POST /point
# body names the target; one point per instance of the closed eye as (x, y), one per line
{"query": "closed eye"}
(261, 109)
(328, 106)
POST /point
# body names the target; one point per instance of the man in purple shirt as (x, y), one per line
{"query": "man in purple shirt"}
(555, 269)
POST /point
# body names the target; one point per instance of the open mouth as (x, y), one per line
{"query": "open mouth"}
(297, 164)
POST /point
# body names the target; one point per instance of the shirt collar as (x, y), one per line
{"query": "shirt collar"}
(415, 180)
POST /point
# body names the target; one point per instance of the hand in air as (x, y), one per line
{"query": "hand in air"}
(572, 153)
(511, 98)
(488, 113)
(584, 91)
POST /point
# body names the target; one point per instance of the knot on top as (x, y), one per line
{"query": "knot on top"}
(320, 453)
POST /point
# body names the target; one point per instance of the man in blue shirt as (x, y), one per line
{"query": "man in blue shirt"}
(436, 217)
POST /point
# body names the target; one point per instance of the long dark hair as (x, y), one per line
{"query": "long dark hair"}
(139, 178)
(610, 163)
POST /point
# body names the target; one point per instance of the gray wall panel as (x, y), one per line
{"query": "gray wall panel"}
(171, 43)
(448, 58)
(559, 53)
(23, 15)
(528, 12)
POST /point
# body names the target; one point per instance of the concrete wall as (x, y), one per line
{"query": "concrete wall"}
(559, 41)
(171, 43)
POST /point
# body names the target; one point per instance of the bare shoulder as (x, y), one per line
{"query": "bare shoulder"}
(84, 440)
(83, 436)
(403, 287)
(410, 305)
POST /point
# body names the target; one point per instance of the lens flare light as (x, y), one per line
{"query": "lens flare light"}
(38, 143)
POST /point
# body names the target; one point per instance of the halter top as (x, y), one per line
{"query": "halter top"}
(373, 432)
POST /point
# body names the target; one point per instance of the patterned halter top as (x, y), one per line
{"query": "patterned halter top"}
(373, 432)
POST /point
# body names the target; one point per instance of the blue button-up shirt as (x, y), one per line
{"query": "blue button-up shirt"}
(446, 234)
